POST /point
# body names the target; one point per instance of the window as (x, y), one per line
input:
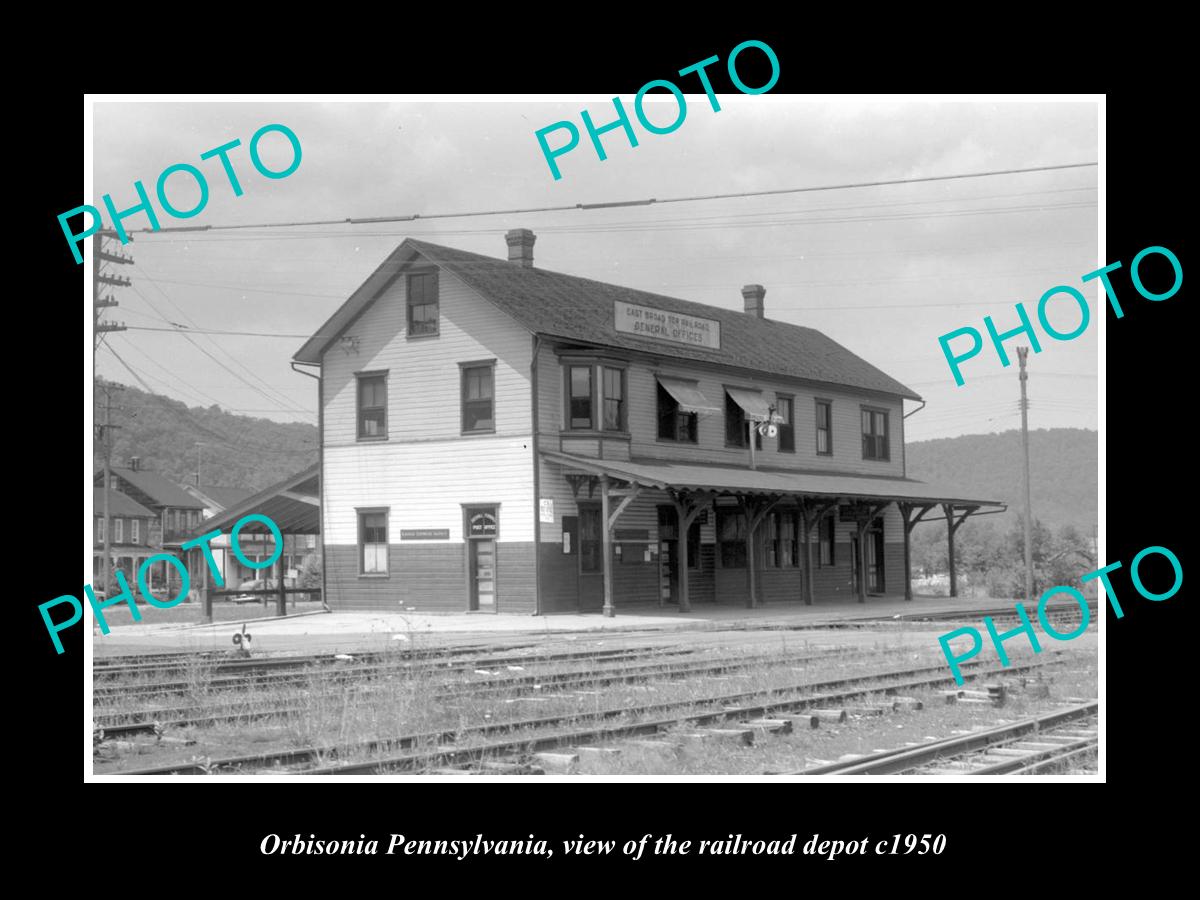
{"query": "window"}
(135, 531)
(372, 406)
(579, 380)
(673, 423)
(787, 430)
(373, 541)
(826, 540)
(737, 427)
(99, 529)
(875, 434)
(771, 526)
(731, 538)
(824, 423)
(591, 543)
(118, 531)
(478, 398)
(614, 399)
(783, 540)
(735, 423)
(422, 304)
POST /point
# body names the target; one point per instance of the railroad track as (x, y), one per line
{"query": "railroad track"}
(297, 671)
(1026, 747)
(158, 720)
(522, 736)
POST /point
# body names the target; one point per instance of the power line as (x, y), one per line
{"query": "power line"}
(376, 220)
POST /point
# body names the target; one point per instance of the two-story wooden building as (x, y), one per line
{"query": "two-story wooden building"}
(495, 436)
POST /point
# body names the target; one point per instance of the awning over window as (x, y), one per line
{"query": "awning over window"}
(687, 395)
(753, 402)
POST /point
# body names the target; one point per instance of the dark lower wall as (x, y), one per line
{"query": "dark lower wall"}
(427, 578)
(558, 579)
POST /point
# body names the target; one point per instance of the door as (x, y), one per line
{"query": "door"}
(481, 526)
(483, 574)
(856, 563)
(668, 555)
(875, 558)
(591, 558)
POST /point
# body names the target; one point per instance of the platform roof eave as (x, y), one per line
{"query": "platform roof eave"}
(737, 480)
(293, 504)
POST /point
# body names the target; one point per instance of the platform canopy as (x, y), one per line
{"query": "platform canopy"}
(735, 480)
(293, 504)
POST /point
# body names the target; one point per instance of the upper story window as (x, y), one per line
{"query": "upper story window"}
(613, 388)
(135, 531)
(675, 423)
(372, 405)
(737, 425)
(784, 408)
(875, 433)
(478, 397)
(118, 531)
(99, 529)
(422, 303)
(579, 386)
(824, 429)
(596, 396)
(373, 541)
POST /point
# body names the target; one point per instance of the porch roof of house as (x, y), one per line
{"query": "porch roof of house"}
(294, 504)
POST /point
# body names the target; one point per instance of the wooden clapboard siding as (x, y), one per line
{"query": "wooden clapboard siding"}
(424, 384)
(426, 468)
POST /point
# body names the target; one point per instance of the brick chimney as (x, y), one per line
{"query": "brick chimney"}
(520, 246)
(753, 295)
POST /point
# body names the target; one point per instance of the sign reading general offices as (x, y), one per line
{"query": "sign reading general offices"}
(646, 321)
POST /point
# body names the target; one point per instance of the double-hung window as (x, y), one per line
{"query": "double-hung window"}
(875, 433)
(135, 531)
(826, 540)
(373, 541)
(824, 428)
(613, 386)
(731, 538)
(478, 398)
(673, 423)
(422, 304)
(787, 429)
(372, 405)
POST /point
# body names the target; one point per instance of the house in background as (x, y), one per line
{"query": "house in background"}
(177, 514)
(135, 535)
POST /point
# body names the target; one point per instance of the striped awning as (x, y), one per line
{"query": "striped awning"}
(687, 395)
(752, 402)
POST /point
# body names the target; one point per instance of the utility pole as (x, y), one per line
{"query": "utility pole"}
(1022, 355)
(104, 435)
(99, 277)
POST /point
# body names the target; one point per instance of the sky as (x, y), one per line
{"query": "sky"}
(882, 270)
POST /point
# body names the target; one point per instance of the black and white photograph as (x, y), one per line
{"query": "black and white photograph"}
(678, 436)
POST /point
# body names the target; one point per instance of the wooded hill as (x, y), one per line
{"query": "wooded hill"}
(237, 451)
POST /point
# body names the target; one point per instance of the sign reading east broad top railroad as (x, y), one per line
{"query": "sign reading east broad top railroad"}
(659, 324)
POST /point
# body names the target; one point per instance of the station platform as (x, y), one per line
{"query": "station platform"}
(376, 630)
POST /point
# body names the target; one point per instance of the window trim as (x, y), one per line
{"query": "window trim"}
(596, 366)
(590, 368)
(359, 513)
(118, 530)
(817, 403)
(135, 531)
(463, 368)
(887, 432)
(791, 423)
(99, 529)
(358, 407)
(623, 409)
(408, 304)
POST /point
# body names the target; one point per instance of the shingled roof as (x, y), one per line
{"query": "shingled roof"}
(160, 489)
(119, 505)
(580, 309)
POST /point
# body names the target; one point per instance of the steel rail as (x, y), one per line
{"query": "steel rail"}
(891, 762)
(883, 683)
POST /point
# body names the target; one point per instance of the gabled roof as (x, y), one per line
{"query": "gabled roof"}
(580, 309)
(160, 489)
(119, 505)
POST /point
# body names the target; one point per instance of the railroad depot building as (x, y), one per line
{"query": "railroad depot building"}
(498, 437)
